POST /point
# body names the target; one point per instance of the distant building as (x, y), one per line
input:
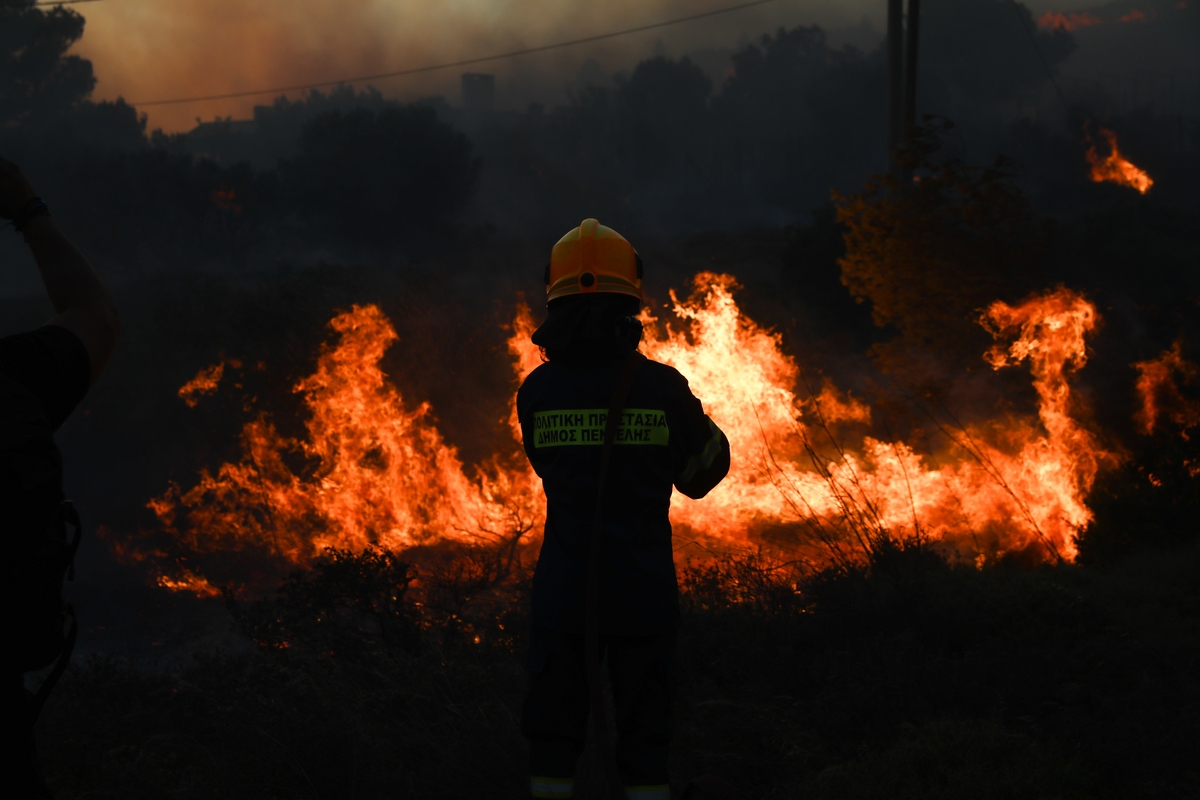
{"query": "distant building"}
(479, 91)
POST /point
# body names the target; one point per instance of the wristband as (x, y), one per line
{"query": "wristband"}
(35, 208)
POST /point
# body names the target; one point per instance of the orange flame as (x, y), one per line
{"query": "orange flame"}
(1136, 16)
(1010, 488)
(1114, 167)
(188, 581)
(205, 383)
(372, 472)
(1054, 20)
(528, 357)
(830, 407)
(1158, 388)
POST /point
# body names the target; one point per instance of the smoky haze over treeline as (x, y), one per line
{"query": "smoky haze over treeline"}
(153, 51)
(205, 47)
(735, 122)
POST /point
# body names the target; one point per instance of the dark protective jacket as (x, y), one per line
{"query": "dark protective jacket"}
(665, 439)
(44, 374)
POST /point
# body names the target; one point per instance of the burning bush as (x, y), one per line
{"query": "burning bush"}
(1164, 385)
(1002, 488)
(1152, 500)
(370, 472)
(1114, 167)
(812, 481)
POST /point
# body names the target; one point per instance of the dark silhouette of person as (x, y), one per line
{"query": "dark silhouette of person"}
(605, 582)
(44, 373)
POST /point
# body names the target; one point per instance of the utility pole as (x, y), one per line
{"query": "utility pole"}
(895, 80)
(911, 48)
(901, 81)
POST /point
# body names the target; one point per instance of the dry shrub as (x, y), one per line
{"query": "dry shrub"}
(756, 581)
(373, 599)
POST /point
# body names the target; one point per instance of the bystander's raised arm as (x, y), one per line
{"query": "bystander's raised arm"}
(82, 302)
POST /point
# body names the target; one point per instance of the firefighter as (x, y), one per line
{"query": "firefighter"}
(607, 519)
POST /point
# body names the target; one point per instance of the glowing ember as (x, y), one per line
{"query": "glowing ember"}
(1054, 20)
(1115, 168)
(1158, 387)
(227, 200)
(187, 581)
(373, 472)
(205, 383)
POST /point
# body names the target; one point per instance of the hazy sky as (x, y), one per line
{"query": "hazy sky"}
(154, 49)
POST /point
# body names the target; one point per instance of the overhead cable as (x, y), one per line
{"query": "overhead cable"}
(448, 65)
(1042, 58)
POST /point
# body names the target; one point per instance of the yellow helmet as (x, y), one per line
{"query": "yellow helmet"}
(593, 258)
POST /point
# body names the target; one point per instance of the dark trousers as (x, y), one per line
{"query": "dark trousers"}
(555, 715)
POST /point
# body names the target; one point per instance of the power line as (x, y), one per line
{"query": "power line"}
(1045, 64)
(464, 63)
(62, 2)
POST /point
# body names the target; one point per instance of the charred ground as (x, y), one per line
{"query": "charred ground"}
(903, 678)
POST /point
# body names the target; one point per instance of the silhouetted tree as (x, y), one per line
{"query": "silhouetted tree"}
(977, 57)
(103, 126)
(38, 80)
(797, 116)
(664, 115)
(277, 127)
(188, 212)
(930, 259)
(47, 121)
(376, 177)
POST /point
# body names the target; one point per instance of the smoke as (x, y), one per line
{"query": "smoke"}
(152, 51)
